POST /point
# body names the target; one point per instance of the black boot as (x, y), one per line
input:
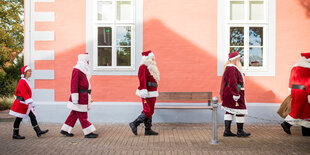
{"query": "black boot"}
(148, 125)
(305, 131)
(91, 135)
(286, 127)
(240, 132)
(16, 134)
(66, 133)
(227, 132)
(133, 125)
(39, 131)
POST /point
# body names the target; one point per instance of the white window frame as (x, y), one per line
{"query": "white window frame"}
(268, 24)
(113, 24)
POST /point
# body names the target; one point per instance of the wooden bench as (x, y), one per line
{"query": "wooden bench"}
(194, 97)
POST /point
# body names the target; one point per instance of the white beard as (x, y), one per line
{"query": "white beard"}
(239, 65)
(151, 66)
(83, 67)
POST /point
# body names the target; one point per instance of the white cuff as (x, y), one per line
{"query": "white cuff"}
(236, 98)
(308, 98)
(75, 97)
(289, 91)
(89, 130)
(143, 93)
(228, 117)
(30, 100)
(67, 128)
(240, 119)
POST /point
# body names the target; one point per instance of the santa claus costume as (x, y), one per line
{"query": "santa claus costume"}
(299, 87)
(80, 99)
(232, 95)
(148, 79)
(23, 105)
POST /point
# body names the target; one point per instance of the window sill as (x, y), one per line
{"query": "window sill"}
(113, 68)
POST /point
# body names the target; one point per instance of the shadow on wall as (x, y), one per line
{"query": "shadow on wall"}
(306, 5)
(184, 67)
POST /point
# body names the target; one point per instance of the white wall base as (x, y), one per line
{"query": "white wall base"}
(124, 112)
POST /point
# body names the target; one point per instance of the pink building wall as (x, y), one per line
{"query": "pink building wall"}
(183, 36)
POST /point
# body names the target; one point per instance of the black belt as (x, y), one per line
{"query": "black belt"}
(84, 91)
(295, 86)
(20, 98)
(152, 84)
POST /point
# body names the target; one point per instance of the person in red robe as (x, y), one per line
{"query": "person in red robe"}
(24, 105)
(80, 99)
(148, 75)
(232, 95)
(299, 87)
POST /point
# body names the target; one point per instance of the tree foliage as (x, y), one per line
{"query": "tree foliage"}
(11, 44)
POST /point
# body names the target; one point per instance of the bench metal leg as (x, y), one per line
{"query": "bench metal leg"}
(214, 139)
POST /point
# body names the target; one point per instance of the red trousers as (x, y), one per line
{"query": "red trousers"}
(82, 116)
(148, 106)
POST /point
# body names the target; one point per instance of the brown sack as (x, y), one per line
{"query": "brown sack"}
(285, 107)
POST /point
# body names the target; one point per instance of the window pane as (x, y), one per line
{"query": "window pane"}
(123, 36)
(240, 50)
(236, 10)
(256, 57)
(236, 36)
(104, 36)
(105, 11)
(104, 56)
(256, 10)
(123, 56)
(124, 10)
(256, 36)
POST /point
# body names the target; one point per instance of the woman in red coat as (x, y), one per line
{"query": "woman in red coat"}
(148, 78)
(24, 105)
(299, 86)
(232, 95)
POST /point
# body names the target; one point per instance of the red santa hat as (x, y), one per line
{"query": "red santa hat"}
(148, 54)
(23, 70)
(234, 55)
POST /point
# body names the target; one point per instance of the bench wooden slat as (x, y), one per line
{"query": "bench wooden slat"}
(183, 107)
(184, 96)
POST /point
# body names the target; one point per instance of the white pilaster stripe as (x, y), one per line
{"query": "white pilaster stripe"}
(43, 95)
(44, 0)
(43, 35)
(43, 74)
(44, 16)
(44, 55)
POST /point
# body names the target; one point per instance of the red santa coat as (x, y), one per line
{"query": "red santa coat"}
(299, 86)
(22, 108)
(79, 81)
(144, 90)
(232, 91)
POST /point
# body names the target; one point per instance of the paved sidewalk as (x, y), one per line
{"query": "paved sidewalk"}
(173, 139)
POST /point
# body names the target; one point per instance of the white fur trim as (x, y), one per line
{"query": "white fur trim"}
(228, 117)
(297, 122)
(303, 63)
(75, 97)
(235, 111)
(151, 55)
(77, 107)
(89, 129)
(27, 68)
(242, 89)
(308, 98)
(67, 128)
(240, 119)
(236, 98)
(289, 90)
(28, 101)
(16, 114)
(233, 58)
(143, 93)
(308, 60)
